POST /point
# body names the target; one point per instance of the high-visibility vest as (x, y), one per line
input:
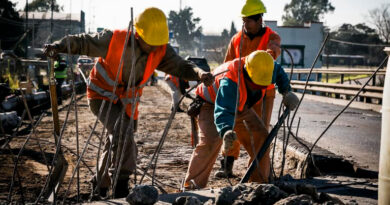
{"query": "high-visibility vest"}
(209, 93)
(262, 45)
(173, 79)
(103, 74)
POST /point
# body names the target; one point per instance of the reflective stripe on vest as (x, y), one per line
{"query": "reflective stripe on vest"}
(173, 79)
(262, 45)
(209, 93)
(102, 76)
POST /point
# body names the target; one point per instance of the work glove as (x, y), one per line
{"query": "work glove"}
(290, 100)
(228, 139)
(206, 77)
(50, 50)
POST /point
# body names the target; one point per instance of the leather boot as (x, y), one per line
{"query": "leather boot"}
(122, 188)
(226, 169)
(102, 193)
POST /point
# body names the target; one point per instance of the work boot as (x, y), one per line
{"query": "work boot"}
(226, 169)
(122, 188)
(102, 193)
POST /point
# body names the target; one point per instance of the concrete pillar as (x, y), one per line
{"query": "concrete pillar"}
(384, 160)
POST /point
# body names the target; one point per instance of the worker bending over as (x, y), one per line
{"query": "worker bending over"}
(254, 36)
(151, 51)
(217, 116)
(178, 88)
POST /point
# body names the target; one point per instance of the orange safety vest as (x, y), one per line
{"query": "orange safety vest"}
(103, 74)
(262, 45)
(210, 93)
(173, 79)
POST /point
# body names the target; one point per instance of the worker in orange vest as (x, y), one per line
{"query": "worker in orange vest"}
(151, 51)
(178, 88)
(217, 116)
(255, 36)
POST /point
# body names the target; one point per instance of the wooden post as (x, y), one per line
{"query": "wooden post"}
(342, 78)
(327, 77)
(374, 80)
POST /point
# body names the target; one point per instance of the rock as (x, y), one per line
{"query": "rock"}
(289, 187)
(302, 199)
(142, 195)
(325, 198)
(227, 196)
(187, 200)
(307, 189)
(266, 194)
(209, 202)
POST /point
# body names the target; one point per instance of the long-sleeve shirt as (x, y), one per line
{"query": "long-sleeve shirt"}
(225, 102)
(96, 45)
(249, 45)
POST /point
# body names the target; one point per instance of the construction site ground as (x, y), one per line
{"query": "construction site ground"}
(172, 164)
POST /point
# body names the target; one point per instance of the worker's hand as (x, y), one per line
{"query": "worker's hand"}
(228, 139)
(272, 53)
(206, 77)
(50, 50)
(290, 100)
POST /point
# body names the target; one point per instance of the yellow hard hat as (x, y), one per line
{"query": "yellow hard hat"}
(152, 26)
(260, 67)
(253, 7)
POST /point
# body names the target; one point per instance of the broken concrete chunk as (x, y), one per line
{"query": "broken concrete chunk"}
(307, 189)
(227, 196)
(325, 198)
(302, 199)
(142, 195)
(289, 187)
(187, 200)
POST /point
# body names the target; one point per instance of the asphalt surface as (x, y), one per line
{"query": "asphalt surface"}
(355, 135)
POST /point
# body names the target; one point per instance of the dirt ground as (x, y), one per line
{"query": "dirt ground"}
(154, 114)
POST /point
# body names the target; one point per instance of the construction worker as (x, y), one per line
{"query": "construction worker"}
(151, 51)
(217, 116)
(255, 36)
(60, 74)
(178, 88)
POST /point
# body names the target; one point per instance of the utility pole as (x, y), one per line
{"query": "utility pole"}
(51, 21)
(26, 29)
(33, 35)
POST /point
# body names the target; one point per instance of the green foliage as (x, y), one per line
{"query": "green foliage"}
(43, 6)
(12, 27)
(359, 33)
(233, 30)
(184, 27)
(298, 12)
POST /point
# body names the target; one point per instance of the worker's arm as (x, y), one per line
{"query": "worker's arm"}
(281, 79)
(175, 65)
(225, 106)
(94, 45)
(274, 44)
(230, 53)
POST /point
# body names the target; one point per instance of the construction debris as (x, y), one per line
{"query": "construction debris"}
(142, 195)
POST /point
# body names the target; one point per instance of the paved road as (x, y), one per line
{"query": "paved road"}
(355, 134)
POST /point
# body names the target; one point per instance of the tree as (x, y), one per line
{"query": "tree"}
(12, 27)
(380, 18)
(43, 6)
(300, 11)
(358, 34)
(184, 27)
(233, 30)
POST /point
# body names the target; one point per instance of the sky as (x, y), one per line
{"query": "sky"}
(215, 15)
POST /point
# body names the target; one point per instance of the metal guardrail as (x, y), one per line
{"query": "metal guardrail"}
(338, 71)
(341, 90)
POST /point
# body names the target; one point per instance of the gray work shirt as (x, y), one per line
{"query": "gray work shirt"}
(96, 45)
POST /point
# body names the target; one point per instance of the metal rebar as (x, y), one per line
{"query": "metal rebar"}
(345, 107)
(75, 115)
